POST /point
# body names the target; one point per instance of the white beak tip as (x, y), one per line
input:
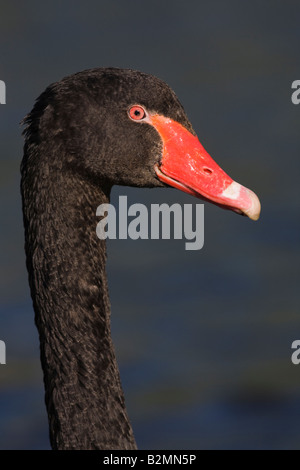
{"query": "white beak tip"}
(244, 199)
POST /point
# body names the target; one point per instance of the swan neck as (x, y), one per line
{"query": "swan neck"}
(66, 265)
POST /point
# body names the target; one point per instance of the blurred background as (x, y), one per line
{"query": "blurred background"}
(203, 338)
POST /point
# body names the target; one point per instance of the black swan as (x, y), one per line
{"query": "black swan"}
(85, 133)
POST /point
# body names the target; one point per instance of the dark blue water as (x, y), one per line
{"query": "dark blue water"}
(203, 337)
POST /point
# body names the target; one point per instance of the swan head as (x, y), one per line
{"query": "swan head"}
(124, 127)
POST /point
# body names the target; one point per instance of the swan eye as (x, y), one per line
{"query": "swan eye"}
(137, 113)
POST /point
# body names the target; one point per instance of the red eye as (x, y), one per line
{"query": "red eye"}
(137, 113)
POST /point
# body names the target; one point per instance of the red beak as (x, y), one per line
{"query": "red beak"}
(187, 166)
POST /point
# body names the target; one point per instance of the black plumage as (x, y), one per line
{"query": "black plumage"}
(78, 143)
